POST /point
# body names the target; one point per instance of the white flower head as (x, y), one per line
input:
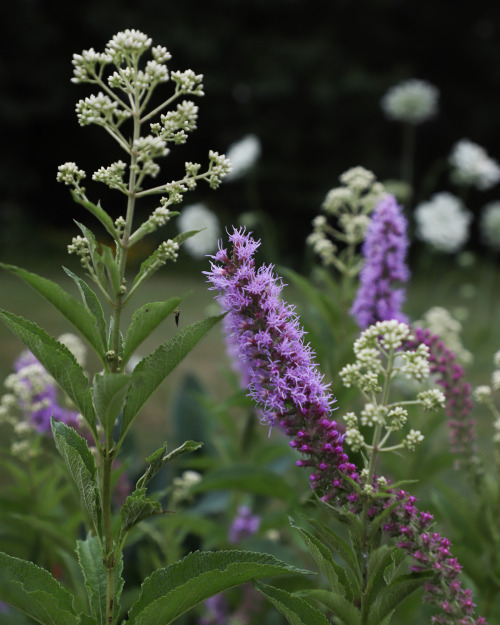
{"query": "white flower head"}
(412, 101)
(490, 225)
(199, 217)
(471, 165)
(443, 222)
(243, 155)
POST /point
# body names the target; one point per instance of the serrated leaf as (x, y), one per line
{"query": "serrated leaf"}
(81, 464)
(109, 392)
(58, 360)
(35, 592)
(98, 212)
(144, 321)
(112, 269)
(136, 508)
(397, 557)
(174, 590)
(296, 610)
(246, 478)
(388, 598)
(91, 303)
(338, 544)
(152, 370)
(160, 458)
(343, 609)
(91, 563)
(335, 574)
(73, 310)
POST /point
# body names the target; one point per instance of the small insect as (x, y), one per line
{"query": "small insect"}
(177, 315)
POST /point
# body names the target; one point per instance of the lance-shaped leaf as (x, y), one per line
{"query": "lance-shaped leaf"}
(388, 598)
(109, 392)
(152, 370)
(136, 508)
(98, 212)
(144, 321)
(160, 458)
(343, 609)
(297, 611)
(91, 303)
(112, 269)
(95, 254)
(74, 311)
(35, 592)
(91, 562)
(81, 464)
(58, 360)
(174, 590)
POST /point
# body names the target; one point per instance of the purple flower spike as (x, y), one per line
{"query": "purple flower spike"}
(385, 250)
(265, 336)
(245, 524)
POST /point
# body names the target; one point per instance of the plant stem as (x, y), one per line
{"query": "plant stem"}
(109, 562)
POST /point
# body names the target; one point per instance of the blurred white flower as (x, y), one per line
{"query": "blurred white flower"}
(412, 101)
(471, 165)
(243, 155)
(490, 225)
(443, 222)
(199, 217)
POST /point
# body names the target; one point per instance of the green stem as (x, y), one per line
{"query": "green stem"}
(109, 560)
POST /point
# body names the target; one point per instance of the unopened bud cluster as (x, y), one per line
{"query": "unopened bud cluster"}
(380, 356)
(347, 211)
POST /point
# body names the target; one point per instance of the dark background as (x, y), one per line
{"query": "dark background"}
(305, 76)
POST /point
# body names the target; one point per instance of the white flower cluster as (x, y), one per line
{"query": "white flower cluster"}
(99, 109)
(441, 322)
(112, 175)
(490, 225)
(432, 399)
(188, 82)
(199, 217)
(243, 155)
(219, 167)
(168, 250)
(176, 124)
(443, 222)
(85, 64)
(70, 174)
(160, 216)
(350, 207)
(471, 165)
(80, 247)
(413, 101)
(127, 43)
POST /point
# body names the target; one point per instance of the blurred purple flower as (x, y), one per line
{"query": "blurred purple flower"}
(245, 524)
(385, 250)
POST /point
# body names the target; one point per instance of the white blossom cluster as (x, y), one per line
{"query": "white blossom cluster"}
(168, 250)
(219, 167)
(199, 217)
(471, 165)
(112, 175)
(489, 225)
(347, 209)
(372, 372)
(243, 155)
(100, 109)
(440, 321)
(412, 101)
(443, 222)
(80, 247)
(70, 174)
(176, 124)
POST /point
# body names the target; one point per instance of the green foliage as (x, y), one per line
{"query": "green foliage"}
(296, 610)
(94, 574)
(137, 508)
(109, 392)
(160, 458)
(174, 590)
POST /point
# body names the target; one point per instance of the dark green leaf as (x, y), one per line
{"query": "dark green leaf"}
(90, 558)
(81, 464)
(74, 311)
(174, 590)
(109, 392)
(338, 544)
(58, 360)
(152, 370)
(92, 304)
(343, 609)
(388, 598)
(35, 592)
(144, 321)
(160, 458)
(112, 269)
(137, 508)
(98, 212)
(296, 610)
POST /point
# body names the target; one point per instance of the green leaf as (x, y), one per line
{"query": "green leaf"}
(95, 255)
(35, 592)
(296, 610)
(81, 464)
(174, 590)
(109, 392)
(338, 544)
(136, 508)
(152, 370)
(388, 598)
(343, 609)
(91, 303)
(246, 478)
(58, 360)
(112, 269)
(160, 458)
(144, 321)
(98, 212)
(90, 559)
(335, 574)
(73, 310)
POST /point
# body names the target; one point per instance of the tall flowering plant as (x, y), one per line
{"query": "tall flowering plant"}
(108, 404)
(365, 584)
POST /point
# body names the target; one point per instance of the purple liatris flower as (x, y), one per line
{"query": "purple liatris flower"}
(384, 250)
(245, 524)
(265, 334)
